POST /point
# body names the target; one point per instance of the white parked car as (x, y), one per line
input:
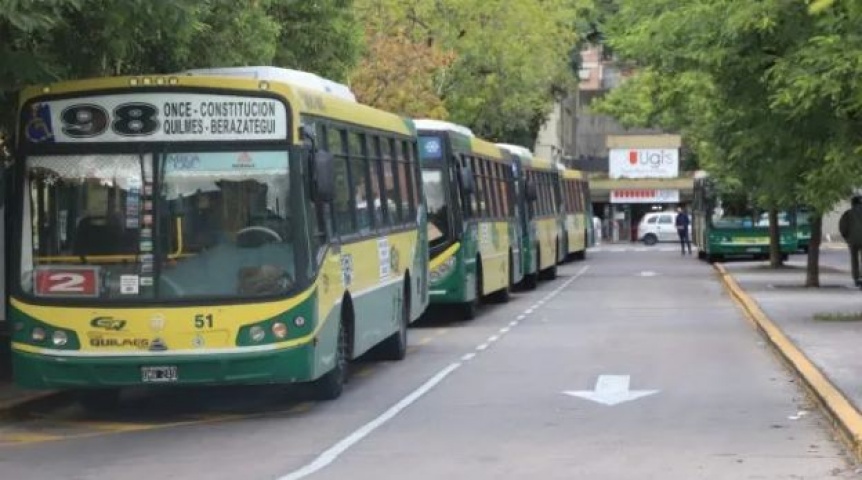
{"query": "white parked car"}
(657, 227)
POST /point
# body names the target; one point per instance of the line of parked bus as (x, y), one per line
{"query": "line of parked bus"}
(256, 225)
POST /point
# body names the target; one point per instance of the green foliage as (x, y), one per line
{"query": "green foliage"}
(510, 57)
(321, 36)
(765, 93)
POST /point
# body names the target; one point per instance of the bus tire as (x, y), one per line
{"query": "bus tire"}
(567, 257)
(331, 384)
(470, 309)
(100, 400)
(550, 273)
(701, 254)
(394, 348)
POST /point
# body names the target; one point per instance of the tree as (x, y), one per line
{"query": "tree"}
(397, 74)
(741, 53)
(321, 36)
(509, 57)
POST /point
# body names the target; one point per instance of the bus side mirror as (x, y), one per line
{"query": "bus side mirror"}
(530, 192)
(466, 178)
(324, 176)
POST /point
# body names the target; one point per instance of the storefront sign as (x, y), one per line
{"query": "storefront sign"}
(156, 117)
(644, 163)
(644, 196)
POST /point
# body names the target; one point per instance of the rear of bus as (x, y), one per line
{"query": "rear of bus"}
(728, 225)
(574, 219)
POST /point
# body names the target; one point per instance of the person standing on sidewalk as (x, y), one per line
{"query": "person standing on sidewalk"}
(850, 227)
(682, 224)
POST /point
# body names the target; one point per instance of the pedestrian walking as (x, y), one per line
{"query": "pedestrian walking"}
(850, 227)
(682, 224)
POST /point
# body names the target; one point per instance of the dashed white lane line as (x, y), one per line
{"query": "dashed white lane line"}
(335, 451)
(505, 330)
(493, 338)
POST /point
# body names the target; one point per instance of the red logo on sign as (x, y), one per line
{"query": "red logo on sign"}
(72, 282)
(633, 157)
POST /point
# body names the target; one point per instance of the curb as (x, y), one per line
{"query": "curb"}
(832, 402)
(36, 400)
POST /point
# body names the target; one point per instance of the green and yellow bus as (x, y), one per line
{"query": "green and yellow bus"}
(574, 219)
(538, 185)
(472, 231)
(211, 227)
(727, 224)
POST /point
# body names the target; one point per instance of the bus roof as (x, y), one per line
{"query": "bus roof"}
(572, 174)
(441, 125)
(518, 150)
(539, 163)
(486, 148)
(467, 140)
(298, 78)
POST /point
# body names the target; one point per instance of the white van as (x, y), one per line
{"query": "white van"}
(657, 227)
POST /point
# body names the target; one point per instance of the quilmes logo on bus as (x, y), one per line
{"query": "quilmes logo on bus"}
(644, 163)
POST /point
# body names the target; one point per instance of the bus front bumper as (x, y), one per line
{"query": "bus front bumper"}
(287, 365)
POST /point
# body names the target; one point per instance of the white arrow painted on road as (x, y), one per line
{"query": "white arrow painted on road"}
(611, 390)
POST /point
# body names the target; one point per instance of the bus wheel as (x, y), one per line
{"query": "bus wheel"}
(701, 254)
(395, 347)
(567, 257)
(331, 384)
(470, 309)
(100, 400)
(550, 273)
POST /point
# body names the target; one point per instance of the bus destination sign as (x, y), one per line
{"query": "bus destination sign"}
(155, 117)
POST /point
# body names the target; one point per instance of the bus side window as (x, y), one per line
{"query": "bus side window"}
(341, 205)
(360, 182)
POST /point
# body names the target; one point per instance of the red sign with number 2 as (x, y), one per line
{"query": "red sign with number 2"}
(67, 282)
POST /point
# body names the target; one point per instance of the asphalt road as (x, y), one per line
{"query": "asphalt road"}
(698, 396)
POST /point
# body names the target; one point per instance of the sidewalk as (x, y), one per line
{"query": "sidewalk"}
(806, 327)
(12, 397)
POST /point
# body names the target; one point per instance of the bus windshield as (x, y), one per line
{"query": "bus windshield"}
(435, 197)
(218, 226)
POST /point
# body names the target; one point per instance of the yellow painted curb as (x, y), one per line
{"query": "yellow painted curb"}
(835, 405)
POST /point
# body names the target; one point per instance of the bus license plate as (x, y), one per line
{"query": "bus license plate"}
(158, 374)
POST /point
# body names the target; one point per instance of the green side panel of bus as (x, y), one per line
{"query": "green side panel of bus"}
(298, 363)
(518, 247)
(458, 285)
(732, 241)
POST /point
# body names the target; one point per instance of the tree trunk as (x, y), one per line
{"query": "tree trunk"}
(812, 269)
(774, 241)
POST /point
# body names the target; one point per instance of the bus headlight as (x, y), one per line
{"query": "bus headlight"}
(37, 334)
(279, 330)
(440, 272)
(59, 338)
(299, 321)
(256, 333)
